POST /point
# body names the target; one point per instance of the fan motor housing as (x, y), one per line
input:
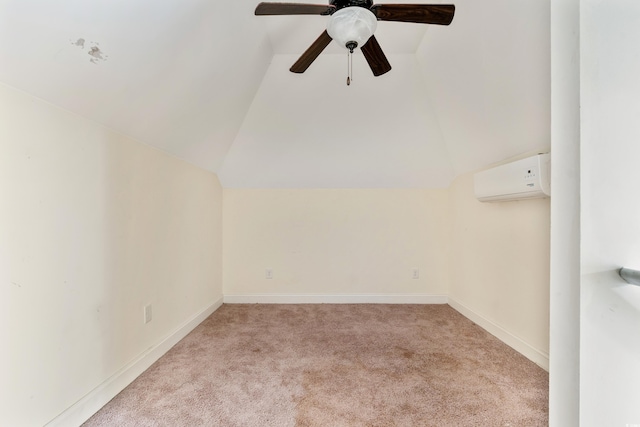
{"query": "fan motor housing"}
(340, 4)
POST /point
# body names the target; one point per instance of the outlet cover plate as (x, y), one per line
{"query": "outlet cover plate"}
(148, 313)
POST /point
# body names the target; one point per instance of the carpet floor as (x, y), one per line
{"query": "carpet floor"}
(335, 365)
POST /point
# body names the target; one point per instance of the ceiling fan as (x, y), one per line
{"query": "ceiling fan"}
(353, 23)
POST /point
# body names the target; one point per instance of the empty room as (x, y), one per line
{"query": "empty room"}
(339, 214)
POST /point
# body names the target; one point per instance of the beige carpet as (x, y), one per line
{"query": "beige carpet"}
(335, 365)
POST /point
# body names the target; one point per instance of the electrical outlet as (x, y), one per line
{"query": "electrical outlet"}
(416, 274)
(268, 273)
(148, 314)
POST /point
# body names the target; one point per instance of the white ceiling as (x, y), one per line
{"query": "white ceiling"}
(208, 81)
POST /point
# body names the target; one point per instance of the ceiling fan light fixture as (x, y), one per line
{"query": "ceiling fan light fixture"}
(352, 24)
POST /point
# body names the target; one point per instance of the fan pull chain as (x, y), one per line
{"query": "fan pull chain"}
(350, 46)
(349, 68)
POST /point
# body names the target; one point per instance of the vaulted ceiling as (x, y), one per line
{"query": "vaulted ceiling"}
(208, 82)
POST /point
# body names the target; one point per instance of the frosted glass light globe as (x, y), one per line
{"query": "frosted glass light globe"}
(352, 24)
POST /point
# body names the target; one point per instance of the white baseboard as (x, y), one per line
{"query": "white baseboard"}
(536, 356)
(336, 299)
(83, 409)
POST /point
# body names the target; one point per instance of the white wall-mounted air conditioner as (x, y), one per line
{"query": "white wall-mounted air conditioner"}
(523, 179)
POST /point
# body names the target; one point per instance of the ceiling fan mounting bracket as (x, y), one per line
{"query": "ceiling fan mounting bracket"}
(341, 4)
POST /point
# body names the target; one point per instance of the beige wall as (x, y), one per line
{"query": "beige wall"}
(335, 242)
(93, 226)
(500, 266)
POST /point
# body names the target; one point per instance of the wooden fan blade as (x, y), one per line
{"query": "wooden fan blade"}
(294, 9)
(311, 53)
(375, 57)
(441, 14)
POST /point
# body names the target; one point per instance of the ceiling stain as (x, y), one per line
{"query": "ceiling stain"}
(96, 55)
(94, 52)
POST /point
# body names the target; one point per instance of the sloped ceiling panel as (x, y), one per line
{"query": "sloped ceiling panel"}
(488, 78)
(314, 131)
(178, 75)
